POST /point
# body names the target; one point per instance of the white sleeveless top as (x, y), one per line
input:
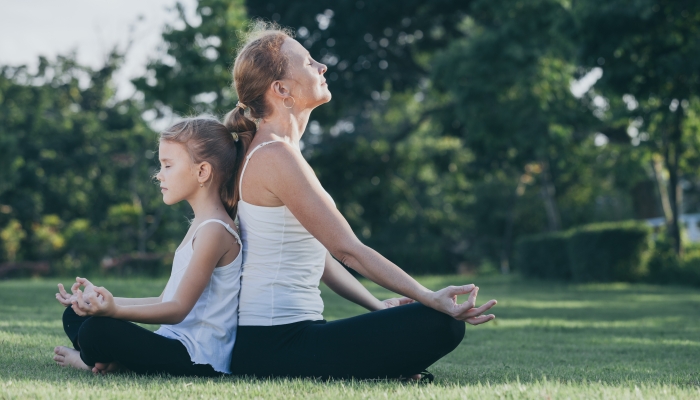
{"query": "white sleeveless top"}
(282, 265)
(209, 330)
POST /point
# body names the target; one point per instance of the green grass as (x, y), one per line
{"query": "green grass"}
(549, 341)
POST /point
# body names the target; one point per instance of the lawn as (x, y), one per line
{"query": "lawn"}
(549, 341)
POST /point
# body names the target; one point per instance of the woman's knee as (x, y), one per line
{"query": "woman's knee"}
(448, 331)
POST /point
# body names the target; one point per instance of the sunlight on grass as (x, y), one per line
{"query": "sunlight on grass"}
(550, 340)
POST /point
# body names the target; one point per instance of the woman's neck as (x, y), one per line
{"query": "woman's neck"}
(284, 125)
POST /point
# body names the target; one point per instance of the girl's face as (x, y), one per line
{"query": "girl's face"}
(177, 175)
(305, 76)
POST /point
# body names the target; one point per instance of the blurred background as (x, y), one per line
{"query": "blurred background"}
(555, 139)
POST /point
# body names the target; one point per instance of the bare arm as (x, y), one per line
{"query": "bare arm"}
(66, 299)
(297, 187)
(339, 280)
(127, 301)
(209, 248)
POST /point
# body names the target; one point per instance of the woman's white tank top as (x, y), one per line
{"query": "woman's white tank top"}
(282, 265)
(209, 330)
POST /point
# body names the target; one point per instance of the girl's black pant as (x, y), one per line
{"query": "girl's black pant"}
(391, 343)
(108, 340)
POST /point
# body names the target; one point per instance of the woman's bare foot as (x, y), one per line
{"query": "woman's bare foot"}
(106, 368)
(66, 357)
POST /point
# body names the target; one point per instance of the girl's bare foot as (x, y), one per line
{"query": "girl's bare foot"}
(66, 357)
(106, 368)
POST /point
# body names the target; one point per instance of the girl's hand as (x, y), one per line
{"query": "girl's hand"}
(397, 301)
(445, 300)
(63, 297)
(88, 287)
(99, 302)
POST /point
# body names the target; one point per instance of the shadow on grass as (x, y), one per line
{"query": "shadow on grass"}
(609, 333)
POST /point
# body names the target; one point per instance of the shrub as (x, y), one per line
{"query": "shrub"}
(665, 267)
(544, 256)
(609, 252)
(690, 268)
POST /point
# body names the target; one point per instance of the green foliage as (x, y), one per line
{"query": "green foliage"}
(452, 132)
(603, 252)
(666, 267)
(609, 252)
(544, 256)
(191, 75)
(71, 155)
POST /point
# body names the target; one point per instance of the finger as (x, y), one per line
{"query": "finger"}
(459, 290)
(471, 301)
(405, 300)
(480, 319)
(84, 281)
(65, 302)
(480, 310)
(74, 288)
(81, 301)
(100, 290)
(77, 309)
(62, 291)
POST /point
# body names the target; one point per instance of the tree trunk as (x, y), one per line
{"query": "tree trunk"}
(508, 234)
(661, 183)
(550, 202)
(672, 152)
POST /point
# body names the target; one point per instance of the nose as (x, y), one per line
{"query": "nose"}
(159, 176)
(324, 68)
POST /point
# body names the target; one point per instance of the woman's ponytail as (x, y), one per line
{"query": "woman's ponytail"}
(237, 123)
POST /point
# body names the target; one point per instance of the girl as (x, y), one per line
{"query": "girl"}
(198, 308)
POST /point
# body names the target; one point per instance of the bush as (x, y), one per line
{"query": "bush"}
(690, 269)
(544, 256)
(609, 252)
(590, 253)
(665, 267)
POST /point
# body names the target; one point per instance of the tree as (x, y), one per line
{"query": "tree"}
(75, 169)
(648, 51)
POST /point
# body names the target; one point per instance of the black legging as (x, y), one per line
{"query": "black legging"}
(108, 340)
(399, 341)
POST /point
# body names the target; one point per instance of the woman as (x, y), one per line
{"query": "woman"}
(290, 227)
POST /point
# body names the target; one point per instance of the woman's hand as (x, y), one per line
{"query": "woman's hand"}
(99, 302)
(396, 301)
(445, 300)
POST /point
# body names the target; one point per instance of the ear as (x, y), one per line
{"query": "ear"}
(204, 172)
(280, 89)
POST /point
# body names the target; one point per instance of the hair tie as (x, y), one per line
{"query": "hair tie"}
(241, 105)
(235, 136)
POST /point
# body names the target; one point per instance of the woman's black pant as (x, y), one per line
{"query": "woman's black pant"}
(391, 343)
(107, 340)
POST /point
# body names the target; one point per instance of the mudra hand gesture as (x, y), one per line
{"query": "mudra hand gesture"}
(445, 300)
(88, 294)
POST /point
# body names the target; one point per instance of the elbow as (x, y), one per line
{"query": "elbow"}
(349, 254)
(176, 319)
(177, 314)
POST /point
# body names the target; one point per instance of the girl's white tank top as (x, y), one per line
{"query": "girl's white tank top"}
(282, 265)
(209, 330)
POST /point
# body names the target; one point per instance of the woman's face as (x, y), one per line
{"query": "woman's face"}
(305, 76)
